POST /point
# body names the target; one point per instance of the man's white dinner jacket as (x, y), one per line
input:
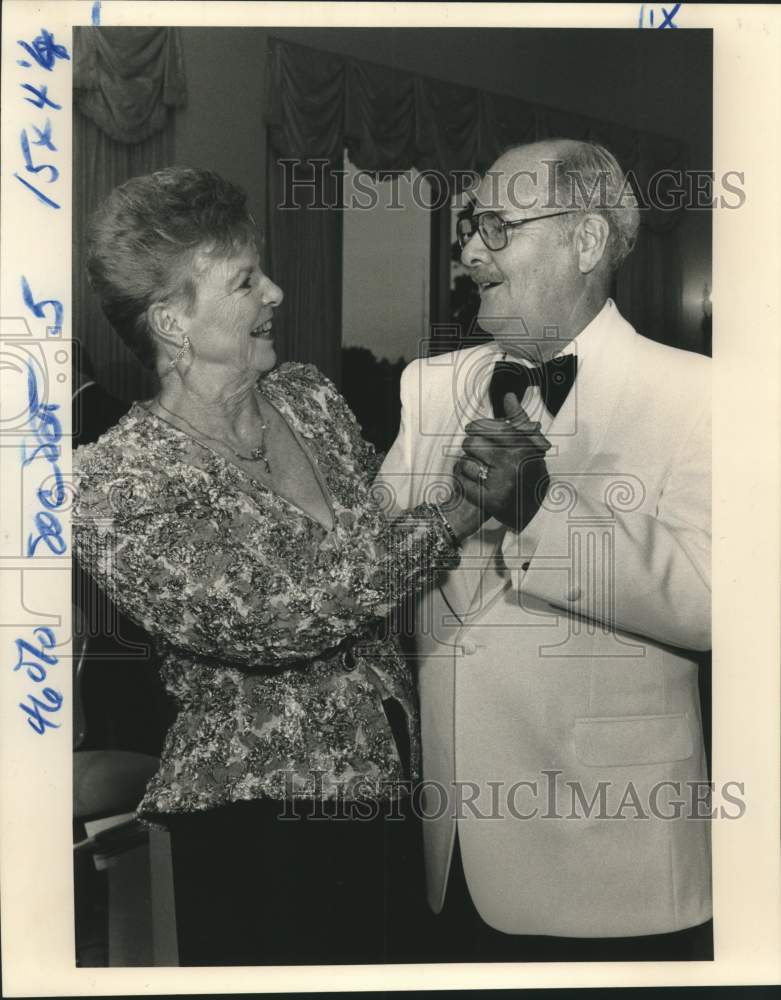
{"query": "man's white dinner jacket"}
(562, 737)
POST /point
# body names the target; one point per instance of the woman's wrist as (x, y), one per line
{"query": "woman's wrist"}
(450, 531)
(462, 519)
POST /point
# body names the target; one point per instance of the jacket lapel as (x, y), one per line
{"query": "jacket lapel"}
(581, 427)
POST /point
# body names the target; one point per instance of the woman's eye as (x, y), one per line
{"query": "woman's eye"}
(247, 283)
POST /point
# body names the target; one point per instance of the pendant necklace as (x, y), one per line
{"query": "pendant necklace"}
(258, 454)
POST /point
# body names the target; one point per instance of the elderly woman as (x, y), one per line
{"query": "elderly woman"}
(232, 517)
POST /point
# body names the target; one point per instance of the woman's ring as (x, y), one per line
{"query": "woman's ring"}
(482, 473)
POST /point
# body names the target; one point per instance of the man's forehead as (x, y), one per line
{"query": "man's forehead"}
(516, 182)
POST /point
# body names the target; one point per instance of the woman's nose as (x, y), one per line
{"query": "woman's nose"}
(271, 294)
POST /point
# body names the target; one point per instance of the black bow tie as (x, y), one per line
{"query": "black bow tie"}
(555, 379)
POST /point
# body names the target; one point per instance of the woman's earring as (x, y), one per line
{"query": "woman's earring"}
(179, 354)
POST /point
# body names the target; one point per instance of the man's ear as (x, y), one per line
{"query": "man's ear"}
(590, 242)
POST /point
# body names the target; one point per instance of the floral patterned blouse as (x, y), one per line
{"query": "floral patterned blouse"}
(272, 632)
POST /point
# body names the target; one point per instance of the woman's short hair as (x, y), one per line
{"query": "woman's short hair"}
(144, 238)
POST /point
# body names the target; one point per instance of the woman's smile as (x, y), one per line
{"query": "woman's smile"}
(263, 331)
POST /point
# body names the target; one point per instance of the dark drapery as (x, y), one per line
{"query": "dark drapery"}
(306, 250)
(126, 84)
(99, 165)
(321, 104)
(126, 79)
(305, 247)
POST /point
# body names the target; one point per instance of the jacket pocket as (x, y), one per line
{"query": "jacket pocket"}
(633, 739)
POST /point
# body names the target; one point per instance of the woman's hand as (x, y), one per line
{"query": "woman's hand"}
(503, 468)
(463, 516)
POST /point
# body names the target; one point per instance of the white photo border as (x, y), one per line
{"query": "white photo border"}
(36, 882)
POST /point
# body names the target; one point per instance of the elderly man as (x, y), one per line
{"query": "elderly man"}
(562, 739)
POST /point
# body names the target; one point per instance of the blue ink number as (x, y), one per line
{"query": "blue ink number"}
(31, 167)
(49, 531)
(38, 194)
(48, 432)
(35, 661)
(28, 160)
(38, 308)
(45, 136)
(41, 99)
(44, 50)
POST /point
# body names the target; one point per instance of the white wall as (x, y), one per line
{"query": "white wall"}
(385, 299)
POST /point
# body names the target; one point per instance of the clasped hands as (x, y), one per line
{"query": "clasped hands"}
(503, 471)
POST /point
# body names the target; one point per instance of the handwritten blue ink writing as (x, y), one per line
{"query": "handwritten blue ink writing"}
(43, 702)
(45, 52)
(35, 661)
(28, 159)
(44, 136)
(37, 308)
(41, 99)
(48, 431)
(38, 194)
(96, 13)
(668, 17)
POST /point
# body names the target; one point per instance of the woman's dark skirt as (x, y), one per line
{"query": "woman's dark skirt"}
(255, 885)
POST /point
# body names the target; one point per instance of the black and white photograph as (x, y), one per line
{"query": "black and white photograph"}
(391, 490)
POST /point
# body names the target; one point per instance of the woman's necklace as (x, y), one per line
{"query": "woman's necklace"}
(258, 454)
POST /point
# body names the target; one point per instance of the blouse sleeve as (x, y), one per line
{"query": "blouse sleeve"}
(164, 562)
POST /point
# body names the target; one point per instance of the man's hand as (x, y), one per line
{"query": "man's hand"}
(503, 468)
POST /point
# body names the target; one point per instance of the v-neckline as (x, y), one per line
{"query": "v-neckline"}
(315, 469)
(256, 483)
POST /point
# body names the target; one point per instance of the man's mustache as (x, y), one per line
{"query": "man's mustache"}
(485, 277)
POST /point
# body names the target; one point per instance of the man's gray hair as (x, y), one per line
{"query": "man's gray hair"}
(588, 176)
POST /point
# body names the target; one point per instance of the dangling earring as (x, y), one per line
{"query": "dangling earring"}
(179, 355)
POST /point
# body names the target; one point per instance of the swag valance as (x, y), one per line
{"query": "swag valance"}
(126, 79)
(320, 104)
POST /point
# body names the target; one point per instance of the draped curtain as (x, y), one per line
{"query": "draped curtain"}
(126, 84)
(320, 104)
(306, 246)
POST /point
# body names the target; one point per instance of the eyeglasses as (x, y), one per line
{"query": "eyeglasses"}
(493, 230)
